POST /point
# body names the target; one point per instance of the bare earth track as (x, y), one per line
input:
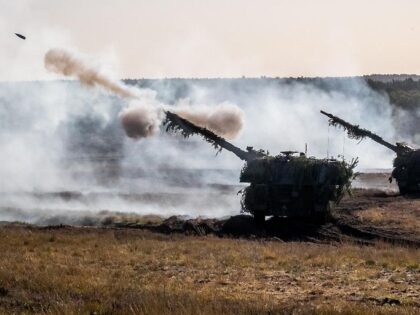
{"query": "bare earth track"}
(366, 217)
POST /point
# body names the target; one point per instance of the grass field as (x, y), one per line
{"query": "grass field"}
(111, 271)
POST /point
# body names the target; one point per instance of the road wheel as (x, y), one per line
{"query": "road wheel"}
(403, 189)
(320, 217)
(259, 218)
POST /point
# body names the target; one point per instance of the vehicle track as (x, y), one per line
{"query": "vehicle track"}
(343, 226)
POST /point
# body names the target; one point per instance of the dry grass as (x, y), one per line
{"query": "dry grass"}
(104, 271)
(399, 215)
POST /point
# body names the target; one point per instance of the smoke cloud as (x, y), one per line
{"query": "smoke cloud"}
(144, 115)
(90, 165)
(65, 63)
(140, 121)
(225, 120)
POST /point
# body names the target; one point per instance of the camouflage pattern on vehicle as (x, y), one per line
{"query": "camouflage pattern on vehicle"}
(407, 163)
(288, 184)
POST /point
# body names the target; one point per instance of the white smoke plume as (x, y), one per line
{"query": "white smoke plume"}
(144, 116)
(65, 152)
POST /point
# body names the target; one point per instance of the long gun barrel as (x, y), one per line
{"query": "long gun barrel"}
(355, 132)
(175, 123)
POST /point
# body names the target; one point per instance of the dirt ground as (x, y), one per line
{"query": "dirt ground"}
(364, 261)
(366, 217)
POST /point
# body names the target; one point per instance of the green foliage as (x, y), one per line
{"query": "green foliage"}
(355, 132)
(175, 124)
(348, 174)
(404, 94)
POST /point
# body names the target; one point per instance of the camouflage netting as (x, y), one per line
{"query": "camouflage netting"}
(353, 132)
(348, 175)
(279, 185)
(298, 172)
(406, 164)
(175, 124)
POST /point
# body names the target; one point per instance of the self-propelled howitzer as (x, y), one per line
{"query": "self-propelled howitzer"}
(407, 163)
(284, 185)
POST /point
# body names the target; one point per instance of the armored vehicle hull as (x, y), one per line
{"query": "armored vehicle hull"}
(407, 172)
(285, 201)
(293, 186)
(407, 163)
(283, 185)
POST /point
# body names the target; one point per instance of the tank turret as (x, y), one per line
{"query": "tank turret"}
(288, 184)
(406, 164)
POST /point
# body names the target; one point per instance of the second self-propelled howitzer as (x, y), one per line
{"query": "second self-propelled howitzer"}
(407, 163)
(287, 184)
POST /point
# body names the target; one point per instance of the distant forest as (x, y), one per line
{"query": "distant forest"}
(404, 94)
(402, 90)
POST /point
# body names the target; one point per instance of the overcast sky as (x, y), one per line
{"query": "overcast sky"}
(214, 38)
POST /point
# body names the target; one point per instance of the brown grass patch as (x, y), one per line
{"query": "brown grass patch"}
(110, 271)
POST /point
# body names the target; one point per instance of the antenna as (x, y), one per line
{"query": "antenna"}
(344, 142)
(328, 145)
(306, 149)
